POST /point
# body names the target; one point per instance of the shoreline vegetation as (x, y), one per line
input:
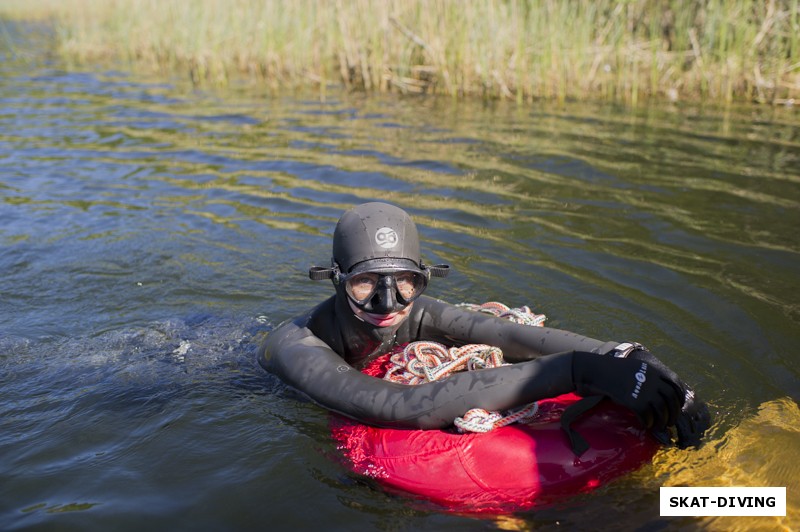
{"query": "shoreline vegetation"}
(718, 51)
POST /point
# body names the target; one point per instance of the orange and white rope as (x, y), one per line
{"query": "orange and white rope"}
(423, 361)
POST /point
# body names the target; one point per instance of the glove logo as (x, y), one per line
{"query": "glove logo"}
(641, 377)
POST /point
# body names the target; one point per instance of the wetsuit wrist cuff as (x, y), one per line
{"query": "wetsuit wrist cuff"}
(626, 348)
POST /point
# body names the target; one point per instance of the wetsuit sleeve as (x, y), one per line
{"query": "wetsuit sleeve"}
(308, 364)
(451, 325)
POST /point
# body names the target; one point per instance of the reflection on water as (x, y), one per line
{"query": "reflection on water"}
(761, 451)
(146, 227)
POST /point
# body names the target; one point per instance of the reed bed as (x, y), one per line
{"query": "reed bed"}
(622, 50)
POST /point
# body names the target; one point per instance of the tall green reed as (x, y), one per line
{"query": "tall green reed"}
(624, 50)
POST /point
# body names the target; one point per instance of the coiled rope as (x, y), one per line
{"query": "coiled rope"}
(422, 361)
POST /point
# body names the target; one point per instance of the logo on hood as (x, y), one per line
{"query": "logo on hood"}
(386, 237)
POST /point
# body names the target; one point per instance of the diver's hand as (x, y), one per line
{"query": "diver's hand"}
(694, 418)
(693, 421)
(653, 394)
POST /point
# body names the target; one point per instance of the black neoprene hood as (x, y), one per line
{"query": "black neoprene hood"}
(373, 231)
(375, 237)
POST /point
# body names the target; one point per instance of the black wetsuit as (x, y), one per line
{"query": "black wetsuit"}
(319, 352)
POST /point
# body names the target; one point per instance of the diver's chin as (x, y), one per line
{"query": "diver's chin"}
(380, 320)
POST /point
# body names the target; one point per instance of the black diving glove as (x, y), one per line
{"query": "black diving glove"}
(655, 396)
(694, 418)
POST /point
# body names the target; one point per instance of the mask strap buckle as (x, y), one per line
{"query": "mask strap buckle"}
(318, 273)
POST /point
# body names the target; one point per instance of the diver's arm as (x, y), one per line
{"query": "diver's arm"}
(305, 362)
(664, 400)
(446, 323)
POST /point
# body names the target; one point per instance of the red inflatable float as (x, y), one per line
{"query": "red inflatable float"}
(512, 468)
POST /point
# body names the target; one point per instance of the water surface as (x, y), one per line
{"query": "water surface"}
(152, 234)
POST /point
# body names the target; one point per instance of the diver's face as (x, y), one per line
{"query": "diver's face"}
(381, 320)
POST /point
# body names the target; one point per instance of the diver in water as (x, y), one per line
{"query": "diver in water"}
(379, 278)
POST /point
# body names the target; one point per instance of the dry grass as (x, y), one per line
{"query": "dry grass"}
(622, 50)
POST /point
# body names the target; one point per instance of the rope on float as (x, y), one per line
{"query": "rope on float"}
(423, 361)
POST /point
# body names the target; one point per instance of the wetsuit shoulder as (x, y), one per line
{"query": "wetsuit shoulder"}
(291, 332)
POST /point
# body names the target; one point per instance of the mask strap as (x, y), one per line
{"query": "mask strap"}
(440, 270)
(319, 273)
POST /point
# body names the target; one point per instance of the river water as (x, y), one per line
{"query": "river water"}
(152, 234)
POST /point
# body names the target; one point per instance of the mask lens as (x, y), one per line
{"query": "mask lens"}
(362, 286)
(409, 284)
